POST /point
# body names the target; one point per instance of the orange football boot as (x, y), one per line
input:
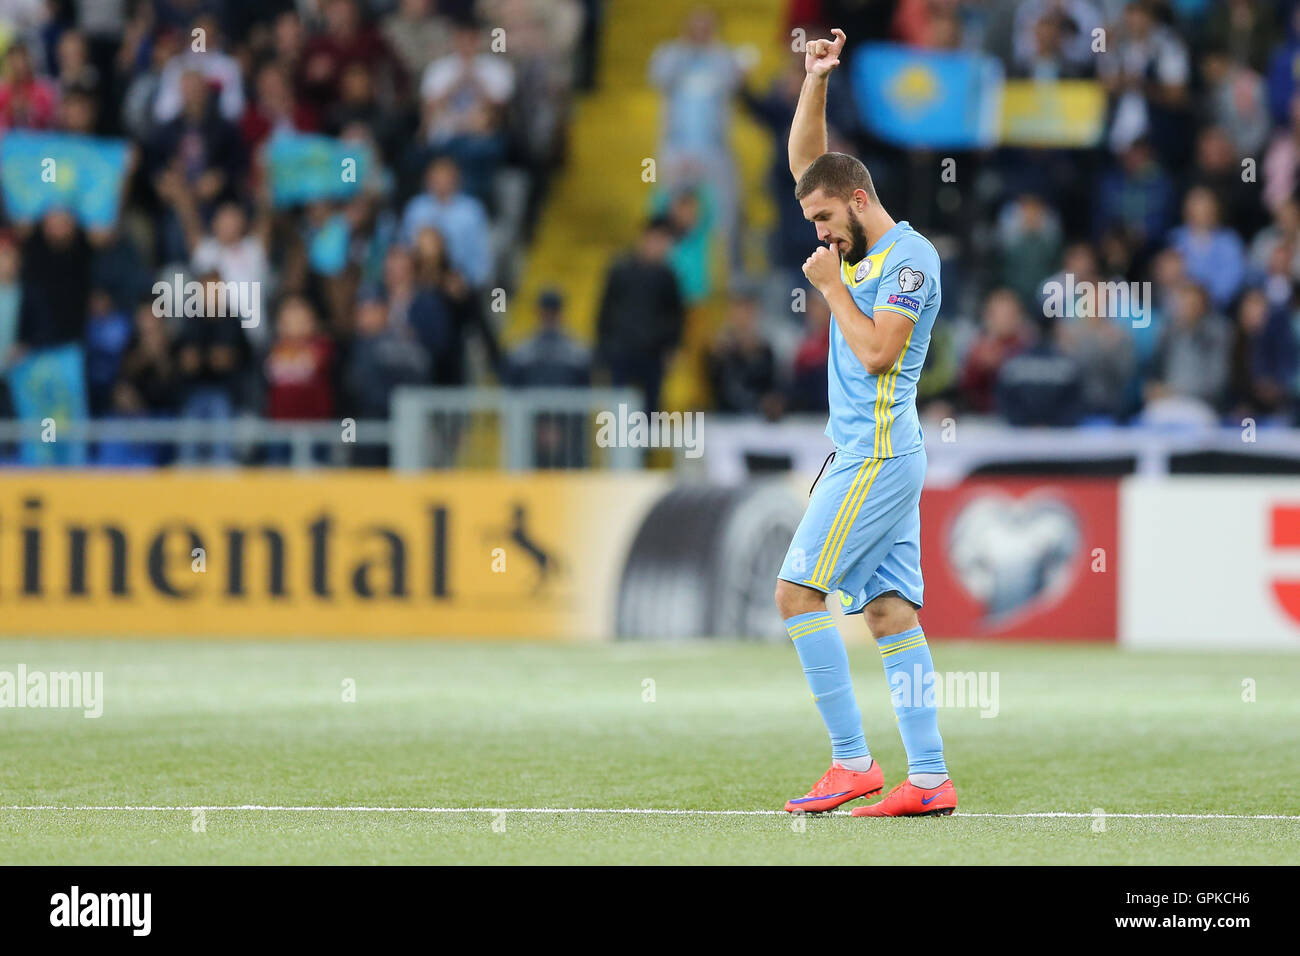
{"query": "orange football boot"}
(906, 800)
(839, 785)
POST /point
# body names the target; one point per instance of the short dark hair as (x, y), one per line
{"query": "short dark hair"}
(838, 175)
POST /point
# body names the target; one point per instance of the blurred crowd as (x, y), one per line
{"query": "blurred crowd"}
(462, 105)
(1185, 217)
(1189, 204)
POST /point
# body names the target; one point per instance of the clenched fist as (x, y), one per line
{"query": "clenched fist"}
(822, 268)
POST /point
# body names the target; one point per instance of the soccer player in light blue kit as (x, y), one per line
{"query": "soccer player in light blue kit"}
(860, 537)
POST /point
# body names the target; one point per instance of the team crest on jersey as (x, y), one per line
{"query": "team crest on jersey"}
(909, 280)
(861, 272)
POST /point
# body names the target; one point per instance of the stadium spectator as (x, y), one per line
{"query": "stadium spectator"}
(641, 314)
(1212, 253)
(1040, 386)
(275, 107)
(232, 249)
(1052, 55)
(459, 218)
(27, 101)
(417, 34)
(447, 314)
(1284, 230)
(56, 266)
(1074, 20)
(150, 381)
(346, 40)
(108, 333)
(1237, 104)
(1005, 332)
(464, 95)
(742, 367)
(806, 391)
(691, 225)
(1242, 31)
(1218, 169)
(1107, 361)
(1137, 197)
(197, 154)
(551, 356)
(10, 306)
(1029, 245)
(381, 359)
(1189, 373)
(74, 70)
(212, 354)
(1284, 71)
(1263, 362)
(544, 37)
(1147, 71)
(300, 365)
(205, 58)
(699, 76)
(140, 100)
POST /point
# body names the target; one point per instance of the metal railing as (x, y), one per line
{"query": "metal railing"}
(510, 429)
(201, 441)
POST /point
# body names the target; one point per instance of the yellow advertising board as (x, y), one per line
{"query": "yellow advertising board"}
(281, 554)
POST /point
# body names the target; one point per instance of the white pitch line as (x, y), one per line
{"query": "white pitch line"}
(1053, 814)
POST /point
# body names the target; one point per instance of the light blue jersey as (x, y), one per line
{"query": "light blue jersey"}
(861, 534)
(874, 416)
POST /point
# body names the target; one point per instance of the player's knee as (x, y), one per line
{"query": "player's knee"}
(889, 614)
(795, 599)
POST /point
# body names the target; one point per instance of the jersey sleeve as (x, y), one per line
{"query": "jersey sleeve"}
(906, 285)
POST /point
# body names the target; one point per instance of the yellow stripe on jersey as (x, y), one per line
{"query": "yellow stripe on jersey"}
(893, 384)
(837, 545)
(900, 310)
(821, 558)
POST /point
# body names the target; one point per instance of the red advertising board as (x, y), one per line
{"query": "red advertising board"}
(1021, 558)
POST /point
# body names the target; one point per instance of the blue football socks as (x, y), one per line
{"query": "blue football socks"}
(826, 665)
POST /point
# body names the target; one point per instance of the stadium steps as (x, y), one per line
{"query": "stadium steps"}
(598, 201)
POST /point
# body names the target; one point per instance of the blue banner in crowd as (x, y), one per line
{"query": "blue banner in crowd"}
(42, 171)
(51, 384)
(305, 168)
(923, 98)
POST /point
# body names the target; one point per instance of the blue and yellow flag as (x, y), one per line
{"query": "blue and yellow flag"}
(924, 98)
(83, 174)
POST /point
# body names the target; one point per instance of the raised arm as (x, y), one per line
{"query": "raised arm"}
(808, 129)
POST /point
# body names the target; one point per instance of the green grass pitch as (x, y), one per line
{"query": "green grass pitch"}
(730, 727)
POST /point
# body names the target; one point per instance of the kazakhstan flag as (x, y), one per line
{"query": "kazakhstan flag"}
(924, 98)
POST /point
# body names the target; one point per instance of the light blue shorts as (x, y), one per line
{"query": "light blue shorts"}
(861, 534)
